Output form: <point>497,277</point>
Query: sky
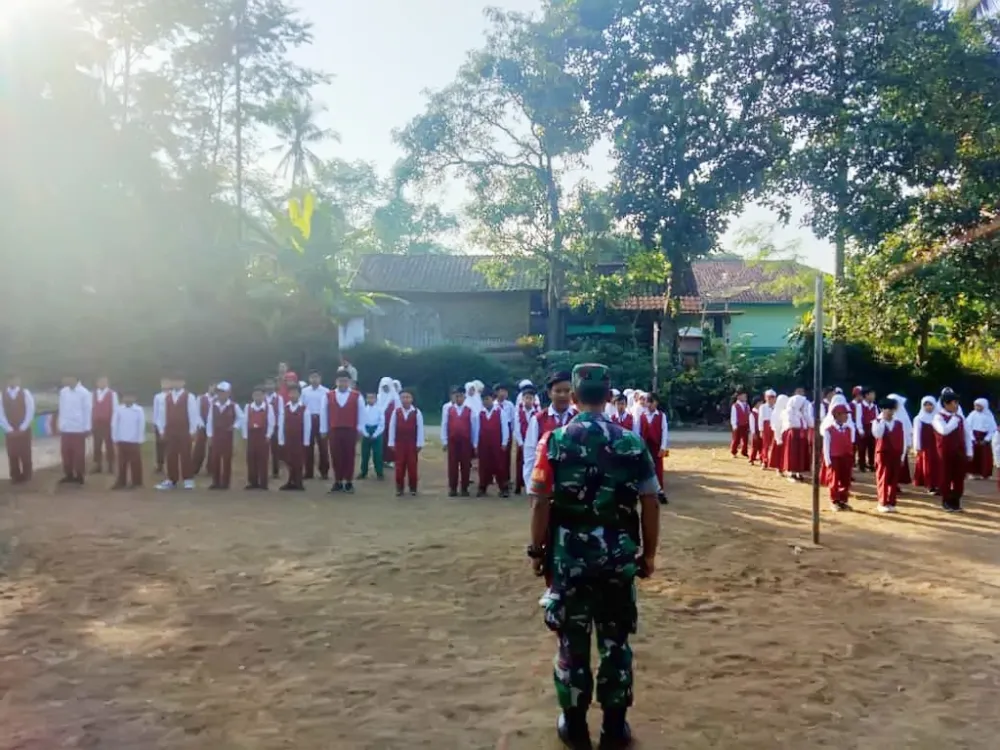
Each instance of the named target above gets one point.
<point>385,53</point>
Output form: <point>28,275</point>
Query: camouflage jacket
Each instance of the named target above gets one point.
<point>594,471</point>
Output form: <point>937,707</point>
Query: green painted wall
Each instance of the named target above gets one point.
<point>768,324</point>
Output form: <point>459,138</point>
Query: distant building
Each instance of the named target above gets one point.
<point>445,299</point>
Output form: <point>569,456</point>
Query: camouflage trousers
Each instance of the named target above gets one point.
<point>605,608</point>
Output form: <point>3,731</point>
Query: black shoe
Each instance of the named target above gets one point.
<point>380,477</point>
<point>505,494</point>
<point>336,487</point>
<point>572,729</point>
<point>615,731</point>
<point>517,492</point>
<point>452,493</point>
<point>481,493</point>
<point>349,488</point>
<point>413,493</point>
<point>399,493</point>
<point>286,487</point>
<point>465,493</point>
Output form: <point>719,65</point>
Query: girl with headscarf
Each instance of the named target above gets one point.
<point>764,425</point>
<point>794,424</point>
<point>838,453</point>
<point>472,397</point>
<point>638,405</point>
<point>928,464</point>
<point>983,426</point>
<point>903,417</point>
<point>777,459</point>
<point>387,400</point>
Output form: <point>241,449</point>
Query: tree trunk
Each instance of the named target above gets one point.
<point>555,332</point>
<point>923,340</point>
<point>841,198</point>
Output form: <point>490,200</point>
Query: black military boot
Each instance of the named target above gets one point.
<point>615,731</point>
<point>572,729</point>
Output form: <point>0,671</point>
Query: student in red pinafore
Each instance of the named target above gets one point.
<point>17,412</point>
<point>756,433</point>
<point>224,419</point>
<point>621,414</point>
<point>259,426</point>
<point>456,441</point>
<point>890,442</point>
<point>103,411</point>
<point>838,455</point>
<point>178,422</point>
<point>293,437</point>
<point>490,436</point>
<point>954,448</point>
<point>277,404</point>
<point>926,468</point>
<point>200,450</point>
<point>654,433</point>
<point>406,438</point>
<point>865,413</point>
<point>739,421</point>
<point>345,420</point>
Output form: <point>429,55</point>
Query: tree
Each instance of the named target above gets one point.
<point>510,125</point>
<point>681,85</point>
<point>293,118</point>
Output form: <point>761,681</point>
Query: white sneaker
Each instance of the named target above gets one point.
<point>885,509</point>
<point>892,508</point>
<point>189,484</point>
<point>166,484</point>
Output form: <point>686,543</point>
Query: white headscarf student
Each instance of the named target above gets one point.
<point>838,400</point>
<point>638,405</point>
<point>609,408</point>
<point>983,426</point>
<point>904,417</point>
<point>387,394</point>
<point>473,399</point>
<point>778,417</point>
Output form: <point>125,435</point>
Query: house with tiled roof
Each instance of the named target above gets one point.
<point>439,299</point>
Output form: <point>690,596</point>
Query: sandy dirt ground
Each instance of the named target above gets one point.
<point>253,621</point>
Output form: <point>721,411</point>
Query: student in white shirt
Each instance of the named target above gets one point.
<point>17,412</point>
<point>373,416</point>
<point>128,431</point>
<point>406,436</point>
<point>259,424</point>
<point>75,423</point>
<point>293,437</point>
<point>314,398</point>
<point>159,407</point>
<point>181,418</point>
<point>225,417</point>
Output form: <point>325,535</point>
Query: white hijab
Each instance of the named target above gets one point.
<point>794,416</point>
<point>828,420</point>
<point>778,416</point>
<point>472,398</point>
<point>904,417</point>
<point>387,394</point>
<point>637,409</point>
<point>982,420</point>
<point>925,417</point>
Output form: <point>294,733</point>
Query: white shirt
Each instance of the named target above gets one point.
<point>75,409</point>
<point>269,400</point>
<point>406,414</point>
<point>494,413</point>
<point>272,423</point>
<point>128,424</point>
<point>29,411</point>
<point>509,411</point>
<point>530,446</point>
<point>194,413</point>
<point>529,413</point>
<point>827,439</point>
<point>217,408</point>
<point>101,393</point>
<point>978,421</point>
<point>314,399</point>
<point>881,426</point>
<point>306,423</point>
<point>734,413</point>
<point>444,420</point>
<point>159,409</point>
<point>373,416</point>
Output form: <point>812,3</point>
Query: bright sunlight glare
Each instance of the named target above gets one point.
<point>12,12</point>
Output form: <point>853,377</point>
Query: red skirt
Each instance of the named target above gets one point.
<point>904,472</point>
<point>796,449</point>
<point>982,456</point>
<point>777,458</point>
<point>926,468</point>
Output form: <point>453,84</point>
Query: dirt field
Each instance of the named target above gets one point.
<point>251,621</point>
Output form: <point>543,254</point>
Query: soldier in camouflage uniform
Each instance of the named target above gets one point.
<point>589,479</point>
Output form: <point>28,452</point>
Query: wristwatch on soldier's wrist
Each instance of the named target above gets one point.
<point>535,552</point>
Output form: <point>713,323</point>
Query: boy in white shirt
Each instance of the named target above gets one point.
<point>17,412</point>
<point>128,431</point>
<point>373,416</point>
<point>259,424</point>
<point>74,421</point>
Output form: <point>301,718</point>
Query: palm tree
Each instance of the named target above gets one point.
<point>294,119</point>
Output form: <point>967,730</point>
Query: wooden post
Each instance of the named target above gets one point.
<point>656,356</point>
<point>817,404</point>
